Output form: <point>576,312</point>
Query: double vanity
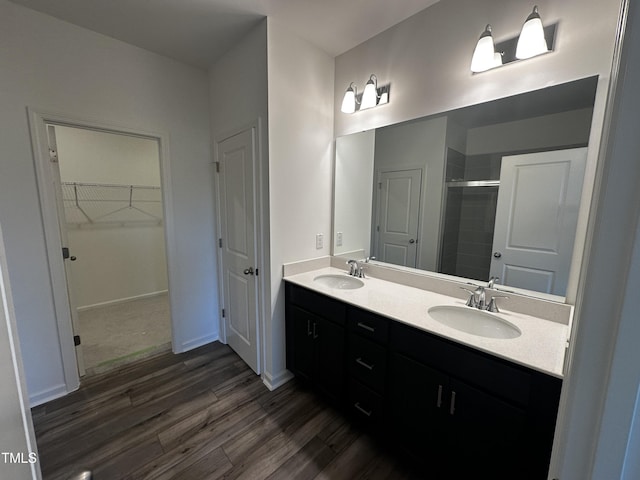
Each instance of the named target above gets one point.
<point>463,392</point>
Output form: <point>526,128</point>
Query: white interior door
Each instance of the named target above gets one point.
<point>236,157</point>
<point>67,255</point>
<point>398,215</point>
<point>536,219</point>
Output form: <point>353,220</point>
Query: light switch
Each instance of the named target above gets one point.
<point>339,239</point>
<point>319,241</point>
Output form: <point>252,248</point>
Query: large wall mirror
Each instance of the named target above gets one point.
<point>488,190</point>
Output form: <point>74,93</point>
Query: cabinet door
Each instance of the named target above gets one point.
<point>488,436</point>
<point>417,408</point>
<point>330,358</point>
<point>301,345</point>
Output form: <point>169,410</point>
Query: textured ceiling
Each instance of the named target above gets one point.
<point>198,32</point>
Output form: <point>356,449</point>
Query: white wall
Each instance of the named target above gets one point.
<point>16,427</point>
<point>598,436</point>
<point>547,131</point>
<point>353,199</point>
<point>54,66</point>
<point>300,167</point>
<point>426,58</point>
<point>115,261</point>
<point>104,157</point>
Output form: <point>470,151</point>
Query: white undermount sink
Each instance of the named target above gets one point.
<point>341,282</point>
<point>474,321</point>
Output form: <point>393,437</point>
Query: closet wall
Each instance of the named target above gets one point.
<point>116,233</point>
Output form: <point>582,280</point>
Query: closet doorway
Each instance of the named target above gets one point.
<point>112,228</point>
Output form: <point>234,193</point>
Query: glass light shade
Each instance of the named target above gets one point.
<point>531,41</point>
<point>349,101</point>
<point>484,55</point>
<point>369,96</point>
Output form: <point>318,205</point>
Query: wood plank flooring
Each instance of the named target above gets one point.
<point>202,415</point>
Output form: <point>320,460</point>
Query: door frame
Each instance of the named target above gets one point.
<point>261,240</point>
<point>38,120</point>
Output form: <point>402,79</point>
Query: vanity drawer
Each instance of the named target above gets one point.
<point>317,303</point>
<point>366,406</point>
<point>369,325</point>
<point>367,362</point>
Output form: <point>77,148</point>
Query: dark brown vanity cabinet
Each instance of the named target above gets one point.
<point>477,413</point>
<point>458,412</point>
<point>315,332</point>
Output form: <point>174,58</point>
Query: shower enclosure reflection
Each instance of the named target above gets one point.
<point>487,190</point>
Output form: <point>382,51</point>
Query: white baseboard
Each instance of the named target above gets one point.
<point>45,396</point>
<point>122,300</point>
<point>197,342</point>
<point>276,381</point>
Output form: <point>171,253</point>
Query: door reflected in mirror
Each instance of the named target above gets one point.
<point>488,190</point>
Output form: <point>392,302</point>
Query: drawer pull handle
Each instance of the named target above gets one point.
<point>452,407</point>
<point>366,327</point>
<point>439,401</point>
<point>366,412</point>
<point>364,364</point>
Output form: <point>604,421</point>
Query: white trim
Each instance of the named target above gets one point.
<point>37,124</point>
<point>7,314</point>
<point>259,233</point>
<point>276,381</point>
<point>47,395</point>
<point>121,300</point>
<point>197,342</point>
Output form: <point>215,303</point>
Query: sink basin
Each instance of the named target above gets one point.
<point>473,321</point>
<point>341,282</point>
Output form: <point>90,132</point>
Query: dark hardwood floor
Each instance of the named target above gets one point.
<point>202,415</point>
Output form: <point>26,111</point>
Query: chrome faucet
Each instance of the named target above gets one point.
<point>493,281</point>
<point>478,299</point>
<point>356,269</point>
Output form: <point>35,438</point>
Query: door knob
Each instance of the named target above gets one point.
<point>412,241</point>
<point>497,254</point>
<point>248,271</point>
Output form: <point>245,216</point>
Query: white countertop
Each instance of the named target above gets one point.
<point>541,346</point>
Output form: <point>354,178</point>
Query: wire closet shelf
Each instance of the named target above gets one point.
<point>100,204</point>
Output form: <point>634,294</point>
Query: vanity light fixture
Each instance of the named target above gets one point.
<point>350,99</point>
<point>531,41</point>
<point>535,39</point>
<point>485,55</point>
<point>372,96</point>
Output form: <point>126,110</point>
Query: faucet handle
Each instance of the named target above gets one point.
<point>352,267</point>
<point>366,260</point>
<point>471,302</point>
<point>493,306</point>
<point>492,281</point>
<point>360,273</point>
